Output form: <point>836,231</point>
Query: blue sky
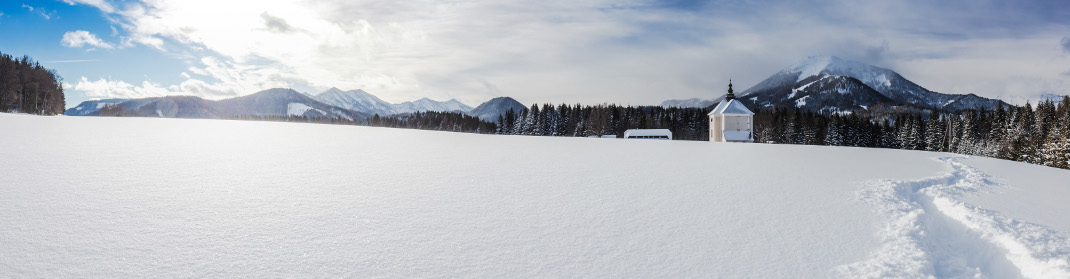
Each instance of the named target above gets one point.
<point>628,52</point>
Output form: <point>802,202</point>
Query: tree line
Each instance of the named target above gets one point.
<point>1019,133</point>
<point>423,120</point>
<point>582,121</point>
<point>28,87</point>
<point>436,121</point>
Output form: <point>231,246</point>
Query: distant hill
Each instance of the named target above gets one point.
<point>92,107</point>
<point>280,101</point>
<point>691,103</point>
<point>333,103</point>
<point>490,110</point>
<point>425,104</point>
<point>362,101</point>
<point>356,100</point>
<point>271,102</point>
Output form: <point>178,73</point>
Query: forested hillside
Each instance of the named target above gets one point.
<point>26,86</point>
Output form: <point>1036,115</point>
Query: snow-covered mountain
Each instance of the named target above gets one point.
<point>91,107</point>
<point>284,102</point>
<point>692,103</point>
<point>490,110</point>
<point>820,93</point>
<point>357,100</point>
<point>1034,100</point>
<point>362,101</point>
<point>167,106</point>
<point>425,104</point>
<point>828,83</point>
<point>271,102</point>
<point>888,83</point>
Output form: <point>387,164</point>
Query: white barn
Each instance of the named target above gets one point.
<point>664,134</point>
<point>731,121</point>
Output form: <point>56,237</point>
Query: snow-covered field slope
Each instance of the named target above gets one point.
<point>144,197</point>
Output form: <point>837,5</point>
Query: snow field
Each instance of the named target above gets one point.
<point>140,197</point>
<point>934,235</point>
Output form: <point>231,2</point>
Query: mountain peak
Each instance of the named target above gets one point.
<point>491,109</point>
<point>277,91</point>
<point>817,70</point>
<point>815,65</point>
<point>336,91</point>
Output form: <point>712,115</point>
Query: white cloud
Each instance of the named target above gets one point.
<point>143,39</point>
<point>40,11</point>
<point>104,88</point>
<point>99,4</point>
<point>572,51</point>
<point>80,38</point>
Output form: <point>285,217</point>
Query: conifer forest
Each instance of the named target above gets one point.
<point>27,87</point>
<point>1038,135</point>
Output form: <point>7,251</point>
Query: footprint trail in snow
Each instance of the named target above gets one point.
<point>931,234</point>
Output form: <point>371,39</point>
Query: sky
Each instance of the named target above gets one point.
<point>631,52</point>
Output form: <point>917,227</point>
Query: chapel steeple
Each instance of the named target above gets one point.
<point>730,96</point>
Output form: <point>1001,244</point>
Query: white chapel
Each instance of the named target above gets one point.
<point>731,121</point>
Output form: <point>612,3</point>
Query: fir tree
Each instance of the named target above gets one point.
<point>934,133</point>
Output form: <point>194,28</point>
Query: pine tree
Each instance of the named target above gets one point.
<point>934,133</point>
<point>834,132</point>
<point>501,123</point>
<point>1055,152</point>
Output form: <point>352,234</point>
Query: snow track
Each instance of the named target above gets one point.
<point>930,234</point>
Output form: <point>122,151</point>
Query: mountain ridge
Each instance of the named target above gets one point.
<point>900,92</point>
<point>360,100</point>
<point>358,105</point>
<point>270,102</point>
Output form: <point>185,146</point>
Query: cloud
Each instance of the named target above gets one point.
<point>103,5</point>
<point>80,38</point>
<point>1066,44</point>
<point>104,88</point>
<point>107,88</point>
<point>40,11</point>
<point>589,51</point>
<point>276,24</point>
<point>143,39</point>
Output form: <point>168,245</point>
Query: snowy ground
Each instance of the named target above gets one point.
<point>140,197</point>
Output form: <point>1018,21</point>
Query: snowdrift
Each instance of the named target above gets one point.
<point>141,197</point>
